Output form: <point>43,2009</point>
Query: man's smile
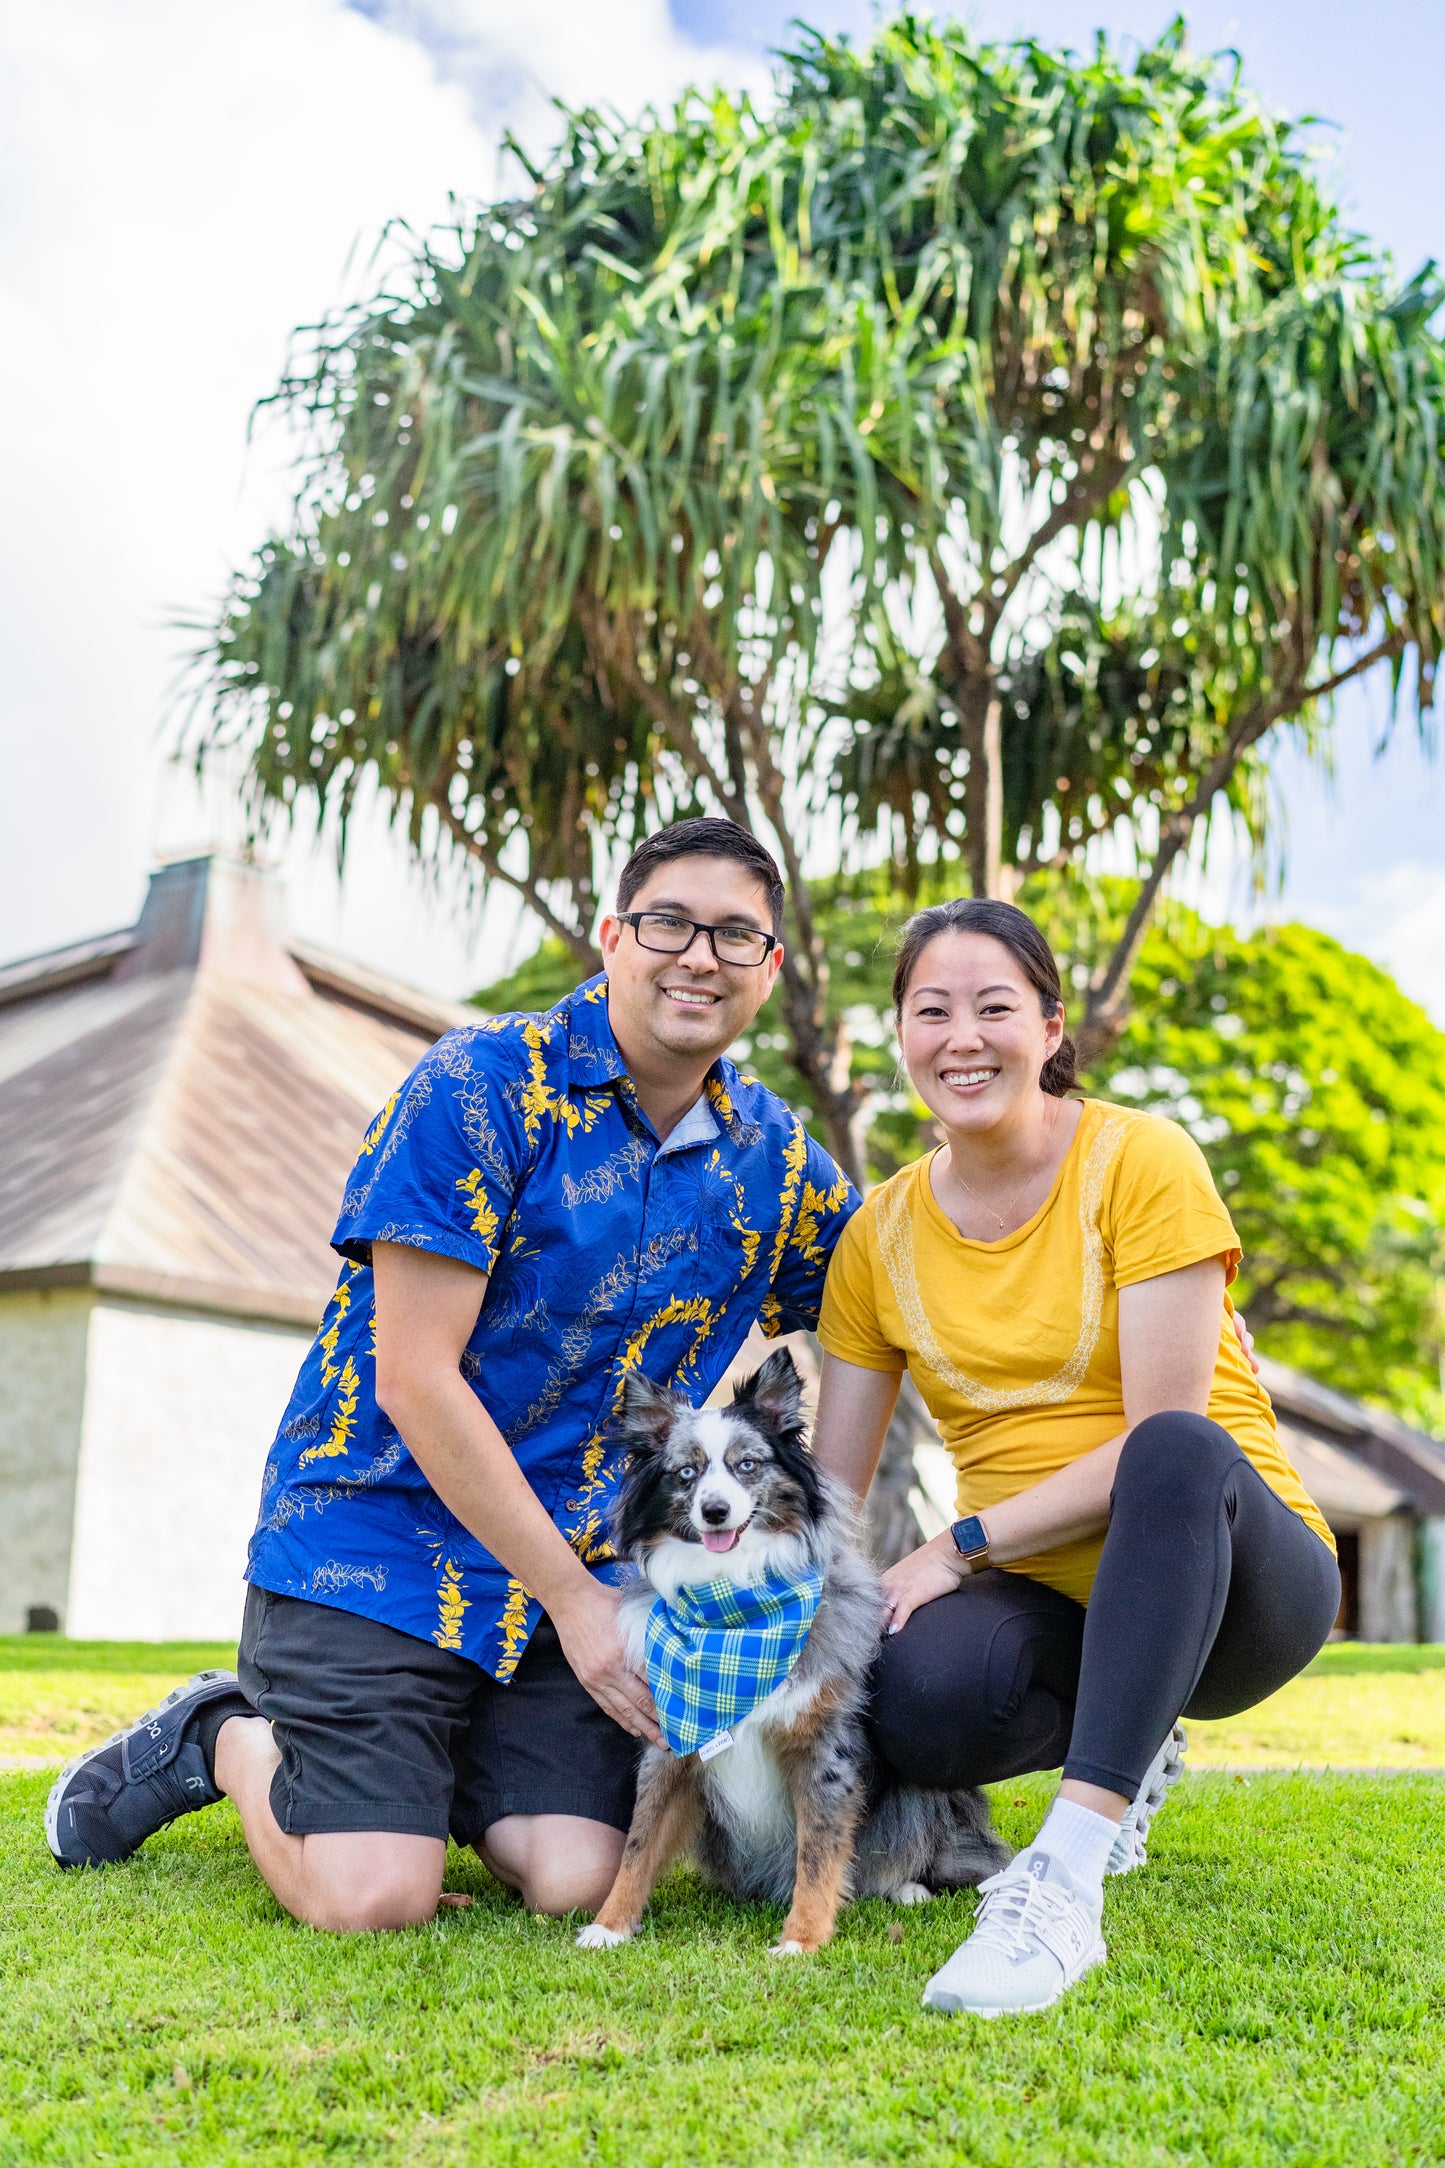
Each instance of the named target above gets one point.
<point>691,997</point>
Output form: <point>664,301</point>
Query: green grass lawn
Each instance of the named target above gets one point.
<point>1357,1705</point>
<point>1275,1993</point>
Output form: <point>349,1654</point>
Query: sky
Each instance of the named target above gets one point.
<point>182,184</point>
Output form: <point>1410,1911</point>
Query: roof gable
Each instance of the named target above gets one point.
<point>182,1102</point>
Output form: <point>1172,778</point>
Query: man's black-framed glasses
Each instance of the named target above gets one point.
<point>669,935</point>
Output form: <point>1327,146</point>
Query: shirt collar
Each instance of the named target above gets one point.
<point>698,1126</point>
<point>594,1059</point>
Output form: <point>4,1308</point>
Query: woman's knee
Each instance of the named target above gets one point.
<point>559,1886</point>
<point>1176,1455</point>
<point>950,1706</point>
<point>923,1697</point>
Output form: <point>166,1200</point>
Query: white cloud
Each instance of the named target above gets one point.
<point>179,187</point>
<point>1397,918</point>
<point>512,61</point>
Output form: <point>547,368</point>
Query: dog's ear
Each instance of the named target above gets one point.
<point>774,1393</point>
<point>646,1413</point>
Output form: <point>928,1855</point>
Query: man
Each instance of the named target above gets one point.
<point>430,1640</point>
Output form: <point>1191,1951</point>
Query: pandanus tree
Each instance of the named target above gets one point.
<point>981,450</point>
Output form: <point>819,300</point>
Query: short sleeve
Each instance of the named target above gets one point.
<point>1164,1211</point>
<point>440,1165</point>
<point>850,1327</point>
<point>826,1201</point>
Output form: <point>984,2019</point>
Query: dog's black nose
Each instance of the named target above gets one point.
<point>714,1512</point>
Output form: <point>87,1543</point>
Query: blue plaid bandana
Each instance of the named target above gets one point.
<point>719,1650</point>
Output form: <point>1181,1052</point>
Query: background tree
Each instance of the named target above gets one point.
<point>1315,1088</point>
<point>1317,1092</point>
<point>980,451</point>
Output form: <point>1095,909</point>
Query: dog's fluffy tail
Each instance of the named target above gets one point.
<point>945,1840</point>
<point>970,1848</point>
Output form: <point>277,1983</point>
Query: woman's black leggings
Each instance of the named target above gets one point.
<point>1210,1594</point>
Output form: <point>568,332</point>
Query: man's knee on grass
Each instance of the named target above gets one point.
<point>558,1863</point>
<point>368,1883</point>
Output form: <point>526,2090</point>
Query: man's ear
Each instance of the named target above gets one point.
<point>775,1393</point>
<point>646,1413</point>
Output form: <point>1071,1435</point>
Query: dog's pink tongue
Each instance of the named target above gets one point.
<point>719,1539</point>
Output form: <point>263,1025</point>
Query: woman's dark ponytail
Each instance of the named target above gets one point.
<point>1003,922</point>
<point>1059,1073</point>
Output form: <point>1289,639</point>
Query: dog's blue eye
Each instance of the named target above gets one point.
<point>747,1467</point>
<point>687,1475</point>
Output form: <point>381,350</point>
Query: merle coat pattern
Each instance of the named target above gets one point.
<point>797,1811</point>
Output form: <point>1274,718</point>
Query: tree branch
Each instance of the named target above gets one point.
<point>1102,1012</point>
<point>617,656</point>
<point>475,847</point>
<point>1075,506</point>
<point>966,651</point>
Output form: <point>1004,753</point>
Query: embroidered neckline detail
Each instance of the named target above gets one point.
<point>894,1221</point>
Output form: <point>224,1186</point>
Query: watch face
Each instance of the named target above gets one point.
<point>969,1536</point>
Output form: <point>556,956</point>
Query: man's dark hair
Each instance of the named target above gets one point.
<point>707,838</point>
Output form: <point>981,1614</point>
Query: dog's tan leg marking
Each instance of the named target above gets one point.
<point>826,1805</point>
<point>663,1822</point>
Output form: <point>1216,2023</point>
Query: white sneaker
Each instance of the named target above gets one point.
<point>1161,1775</point>
<point>1036,1933</point>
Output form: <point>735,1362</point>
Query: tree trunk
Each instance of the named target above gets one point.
<point>890,1526</point>
<point>820,1057</point>
<point>981,715</point>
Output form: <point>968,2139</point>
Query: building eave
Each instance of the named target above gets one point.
<point>29,978</point>
<point>376,994</point>
<point>249,1305</point>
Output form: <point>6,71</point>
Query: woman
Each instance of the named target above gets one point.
<point>1135,1544</point>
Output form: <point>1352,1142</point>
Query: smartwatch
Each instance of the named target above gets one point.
<point>970,1540</point>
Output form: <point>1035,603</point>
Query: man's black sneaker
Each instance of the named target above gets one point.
<point>106,1802</point>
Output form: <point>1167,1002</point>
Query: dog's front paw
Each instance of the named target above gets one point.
<point>788,1949</point>
<point>597,1937</point>
<point>912,1893</point>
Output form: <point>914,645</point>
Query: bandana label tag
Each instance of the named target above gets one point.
<point>716,1746</point>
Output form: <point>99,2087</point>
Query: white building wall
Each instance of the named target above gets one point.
<point>1387,1579</point>
<point>179,1413</point>
<point>42,1395</point>
<point>1432,1578</point>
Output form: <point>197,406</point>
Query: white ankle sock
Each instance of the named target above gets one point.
<point>1081,1839</point>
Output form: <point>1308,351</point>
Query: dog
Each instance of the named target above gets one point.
<point>795,1809</point>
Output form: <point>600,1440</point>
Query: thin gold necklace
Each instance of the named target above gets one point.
<point>992,1210</point>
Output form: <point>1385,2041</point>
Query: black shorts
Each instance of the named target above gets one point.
<point>379,1731</point>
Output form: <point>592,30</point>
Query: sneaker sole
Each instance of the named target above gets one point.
<point>952,2006</point>
<point>1169,1776</point>
<point>57,1789</point>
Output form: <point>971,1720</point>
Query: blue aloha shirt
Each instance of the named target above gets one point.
<point>518,1146</point>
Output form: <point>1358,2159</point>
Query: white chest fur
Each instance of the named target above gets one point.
<point>746,1790</point>
<point>746,1786</point>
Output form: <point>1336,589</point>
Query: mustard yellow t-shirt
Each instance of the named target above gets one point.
<point>1014,1345</point>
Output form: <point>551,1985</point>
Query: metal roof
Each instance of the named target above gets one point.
<point>1407,1459</point>
<point>180,1103</point>
<point>1346,1489</point>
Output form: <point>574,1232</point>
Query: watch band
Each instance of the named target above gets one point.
<point>970,1540</point>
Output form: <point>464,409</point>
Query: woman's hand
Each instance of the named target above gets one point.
<point>935,1569</point>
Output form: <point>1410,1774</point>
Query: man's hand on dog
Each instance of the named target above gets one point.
<point>587,1629</point>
